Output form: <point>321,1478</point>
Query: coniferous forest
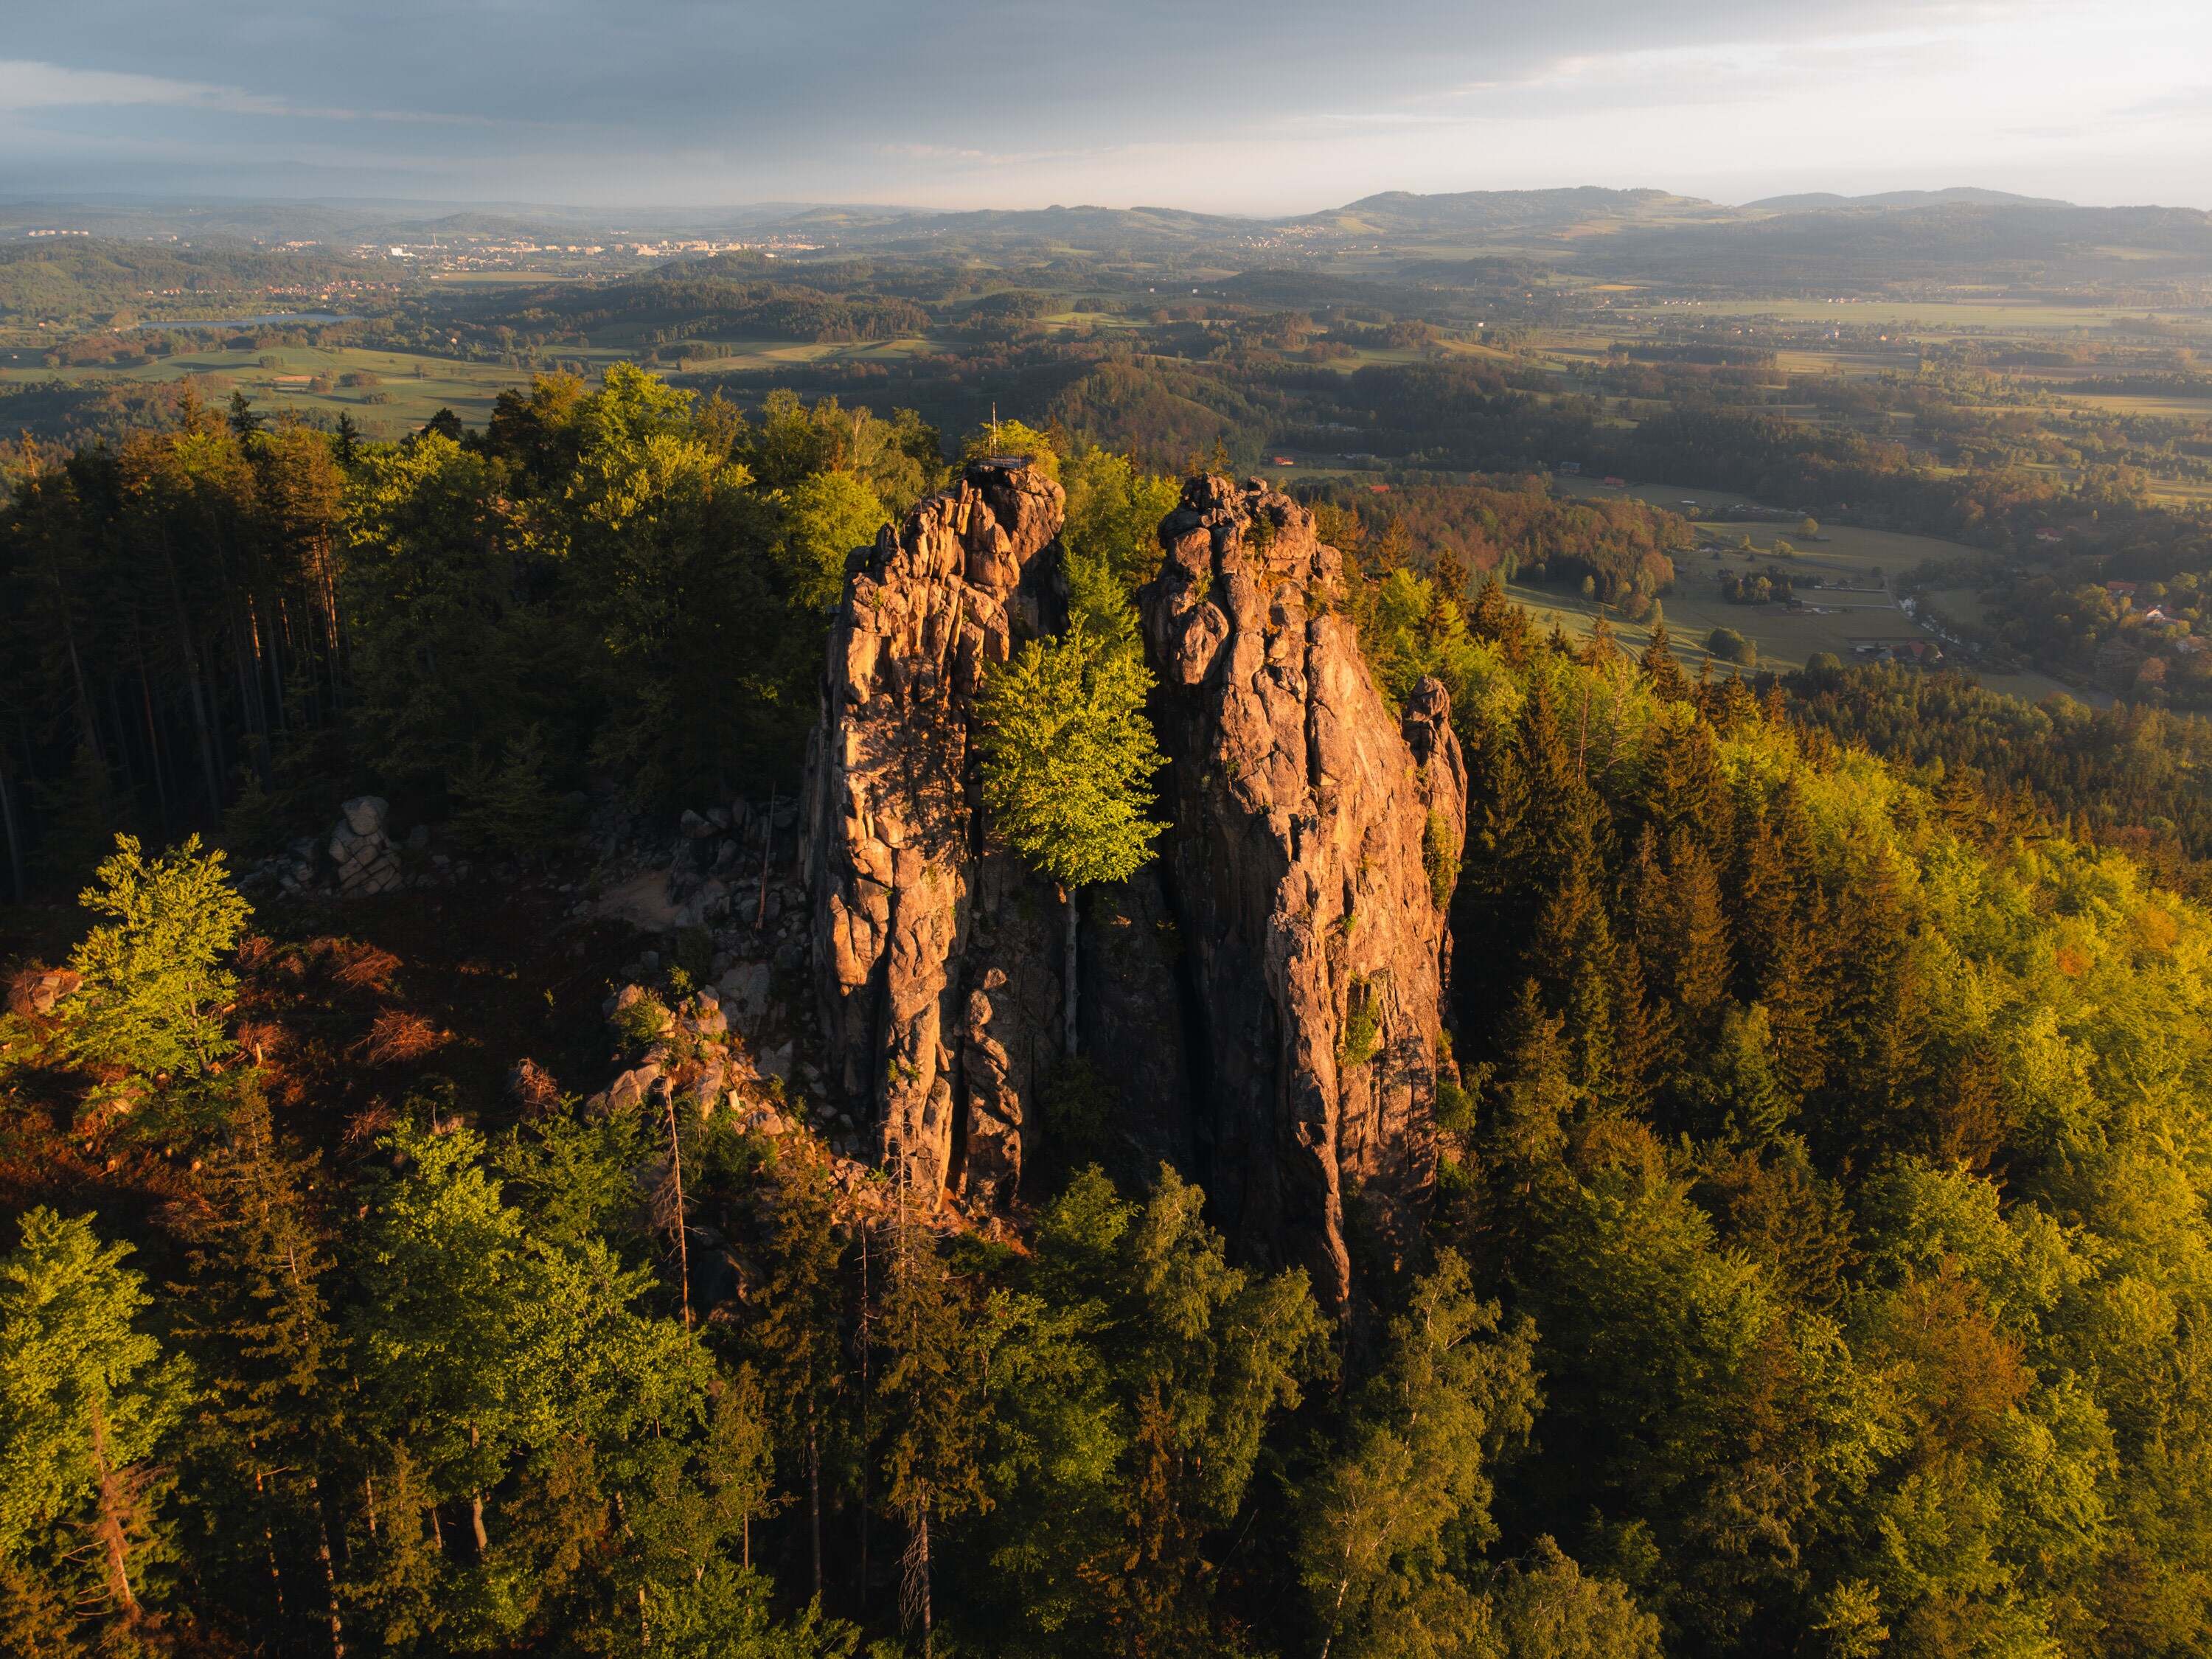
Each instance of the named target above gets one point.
<point>1810,1253</point>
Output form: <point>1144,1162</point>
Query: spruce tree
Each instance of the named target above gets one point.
<point>934,1337</point>
<point>255,1305</point>
<point>1660,668</point>
<point>1696,963</point>
<point>794,1336</point>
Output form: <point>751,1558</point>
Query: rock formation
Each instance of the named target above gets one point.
<point>34,992</point>
<point>367,863</point>
<point>932,955</point>
<point>1265,998</point>
<point>1308,818</point>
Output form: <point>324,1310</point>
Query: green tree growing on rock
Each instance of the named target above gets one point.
<point>1068,757</point>
<point>153,976</point>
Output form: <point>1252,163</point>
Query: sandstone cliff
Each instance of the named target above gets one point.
<point>1264,999</point>
<point>1307,821</point>
<point>934,957</point>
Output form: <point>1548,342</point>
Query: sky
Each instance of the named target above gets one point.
<point>1226,105</point>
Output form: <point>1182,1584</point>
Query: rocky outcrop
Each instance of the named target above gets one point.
<point>368,862</point>
<point>1263,1002</point>
<point>932,956</point>
<point>1308,817</point>
<point>34,992</point>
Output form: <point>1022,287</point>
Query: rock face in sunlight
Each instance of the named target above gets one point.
<point>1308,817</point>
<point>1264,999</point>
<point>934,959</point>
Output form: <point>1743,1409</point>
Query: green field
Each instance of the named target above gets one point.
<point>414,387</point>
<point>1937,316</point>
<point>1869,560</point>
<point>708,356</point>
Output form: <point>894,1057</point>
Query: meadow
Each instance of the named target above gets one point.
<point>411,387</point>
<point>1835,619</point>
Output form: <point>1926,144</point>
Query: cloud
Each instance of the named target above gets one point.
<point>26,86</point>
<point>1231,104</point>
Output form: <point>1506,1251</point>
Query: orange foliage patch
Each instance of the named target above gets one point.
<point>352,963</point>
<point>398,1036</point>
<point>2155,929</point>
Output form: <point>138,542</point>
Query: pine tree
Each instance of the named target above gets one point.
<point>934,1337</point>
<point>1764,899</point>
<point>1695,963</point>
<point>509,807</point>
<point>1497,619</point>
<point>1641,1035</point>
<point>1667,681</point>
<point>795,1336</point>
<point>1683,788</point>
<point>1869,1093</point>
<point>79,816</point>
<point>1535,1101</point>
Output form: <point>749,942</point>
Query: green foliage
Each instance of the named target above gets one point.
<point>1013,438</point>
<point>426,576</point>
<point>1363,1024</point>
<point>1390,1525</point>
<point>644,1022</point>
<point>826,515</point>
<point>1068,755</point>
<point>509,806</point>
<point>87,1400</point>
<point>1726,645</point>
<point>155,984</point>
<point>1110,543</point>
<point>1439,860</point>
<point>1131,1393</point>
<point>1548,1608</point>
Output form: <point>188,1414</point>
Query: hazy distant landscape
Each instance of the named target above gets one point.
<point>1936,333</point>
<point>1156,832</point>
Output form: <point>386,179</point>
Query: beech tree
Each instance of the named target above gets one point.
<point>1069,756</point>
<point>154,981</point>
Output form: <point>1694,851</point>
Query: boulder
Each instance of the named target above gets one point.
<point>744,987</point>
<point>35,993</point>
<point>367,863</point>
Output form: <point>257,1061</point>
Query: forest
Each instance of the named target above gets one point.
<point>1817,1261</point>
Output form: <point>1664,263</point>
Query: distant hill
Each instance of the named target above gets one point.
<point>1083,227</point>
<point>2008,242</point>
<point>69,278</point>
<point>1821,201</point>
<point>1399,212</point>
